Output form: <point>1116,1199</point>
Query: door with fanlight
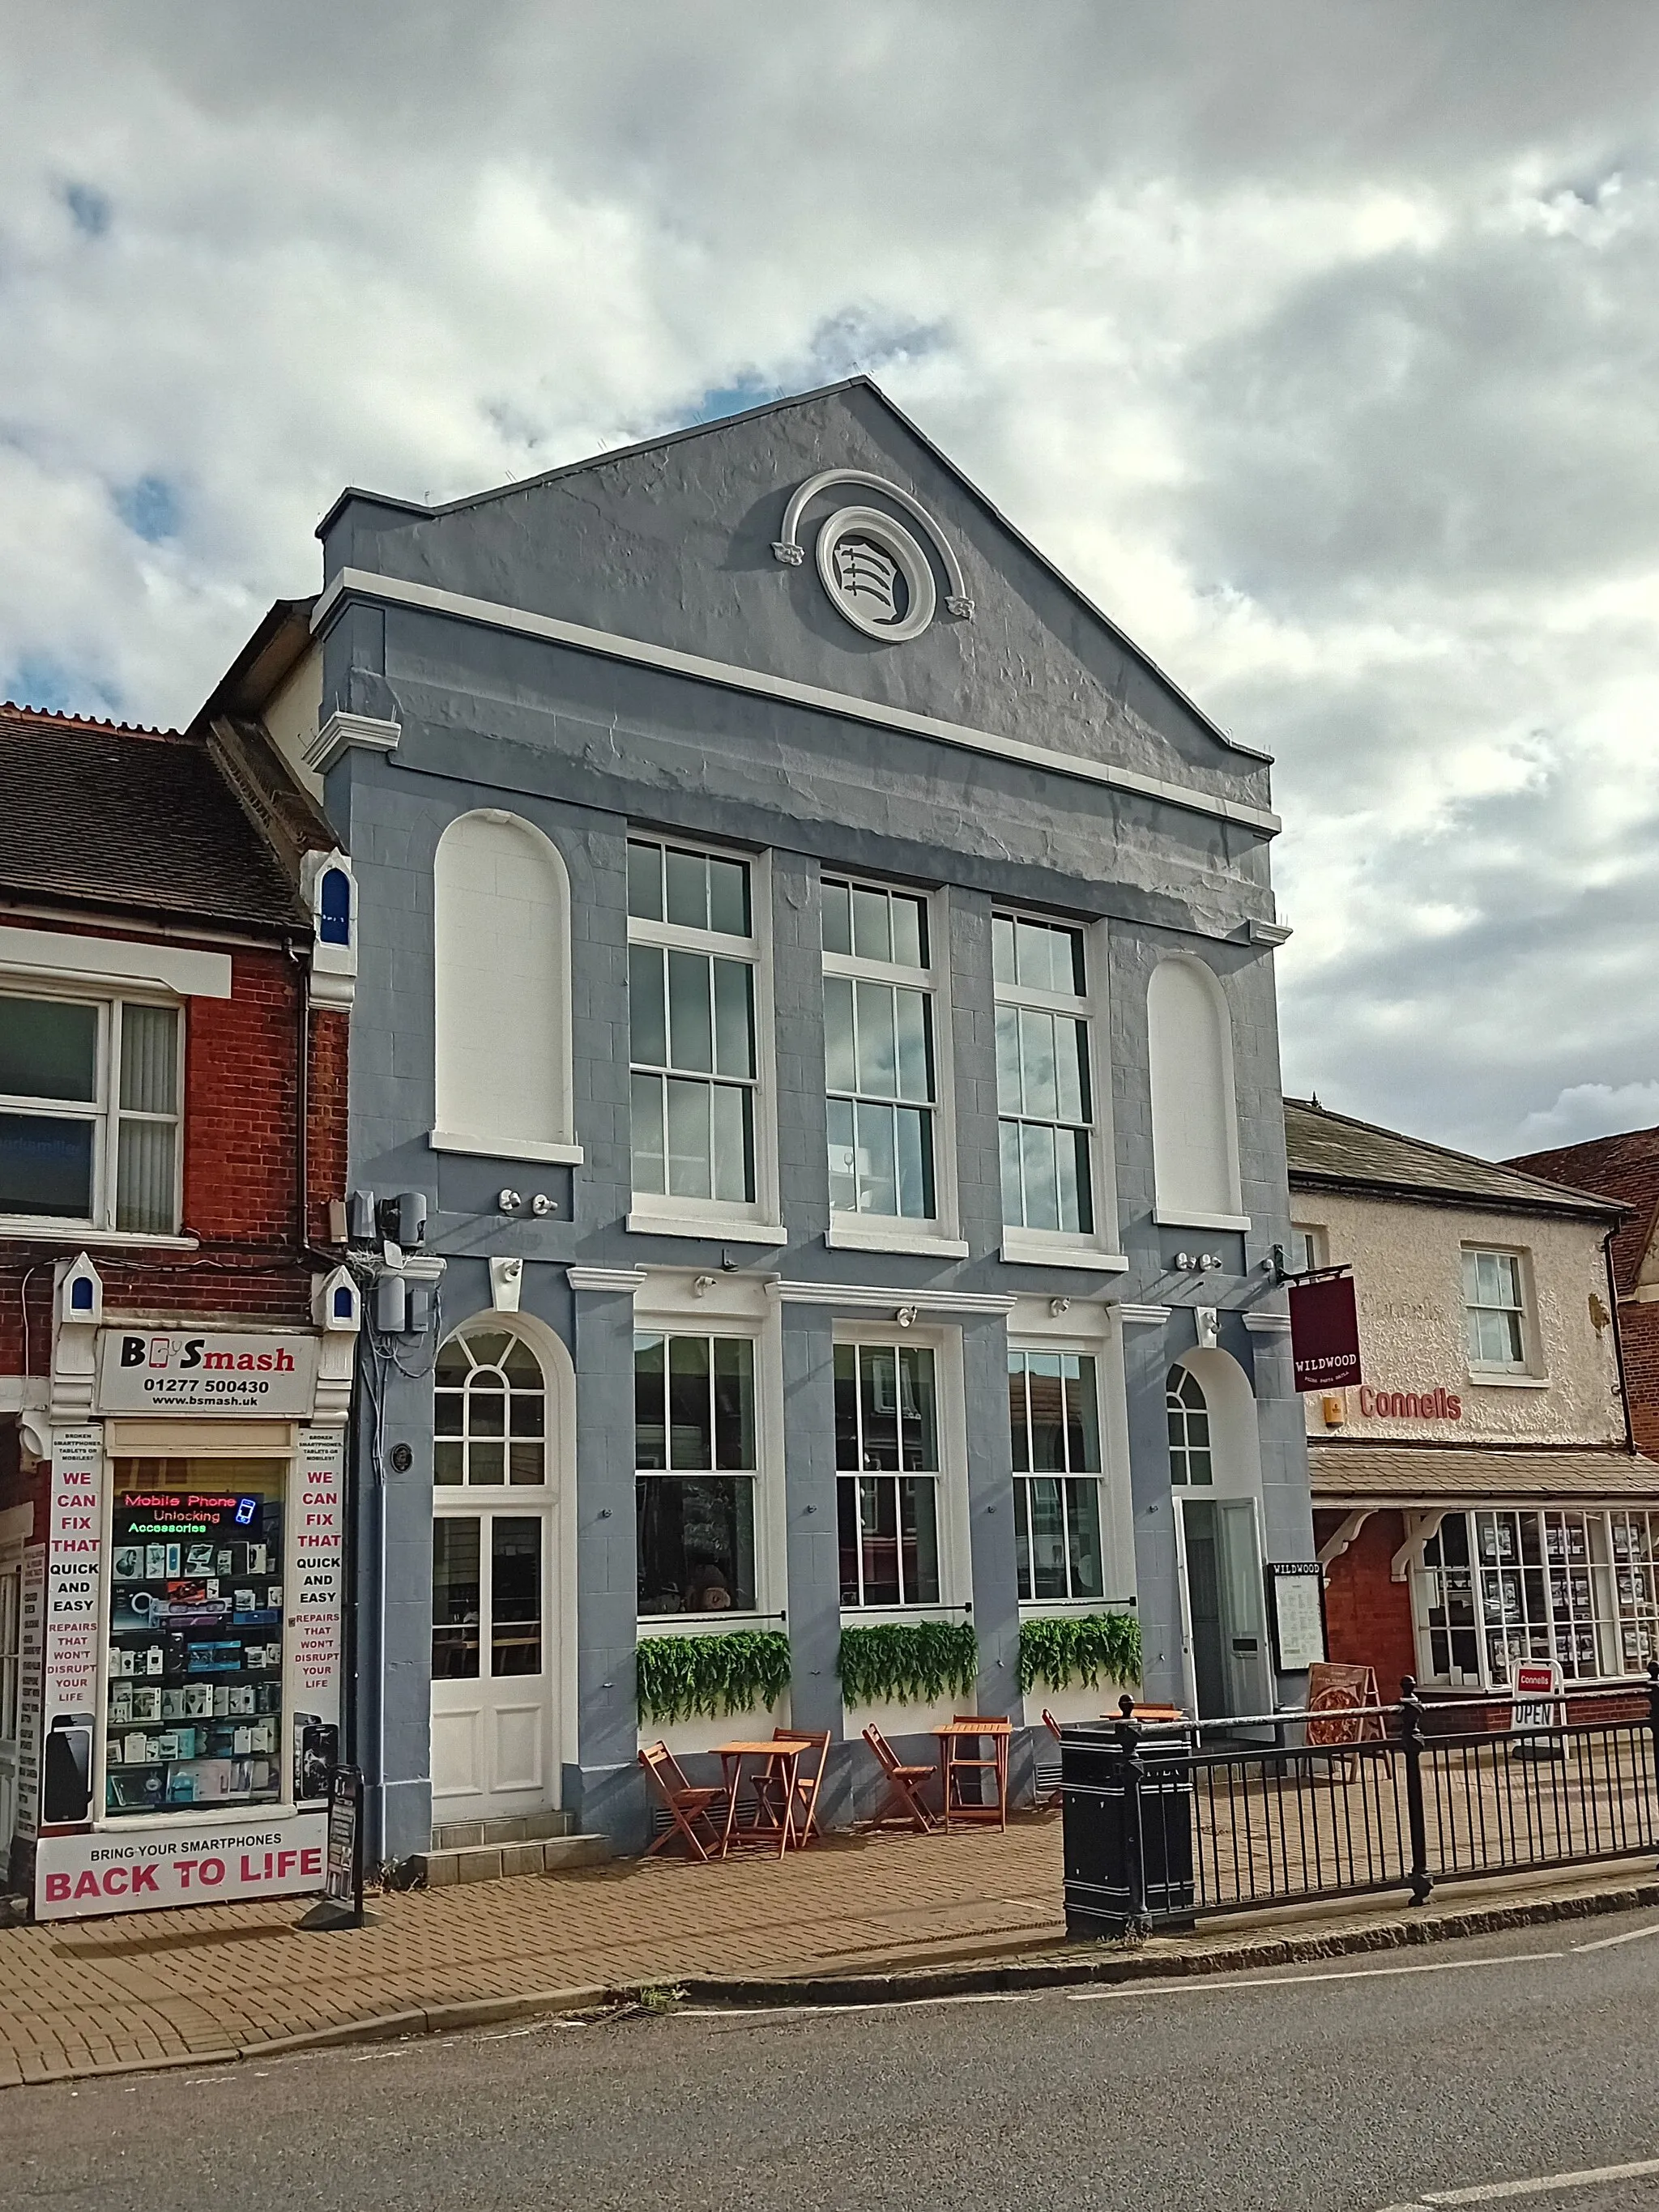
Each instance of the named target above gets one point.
<point>494,1708</point>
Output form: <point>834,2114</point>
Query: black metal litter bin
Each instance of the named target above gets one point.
<point>1128,1815</point>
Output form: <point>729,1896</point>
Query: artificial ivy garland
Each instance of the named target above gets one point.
<point>679,1678</point>
<point>1070,1648</point>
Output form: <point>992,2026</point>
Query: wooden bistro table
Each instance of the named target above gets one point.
<point>956,1758</point>
<point>777,1763</point>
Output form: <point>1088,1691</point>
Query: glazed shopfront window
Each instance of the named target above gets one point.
<point>694,1457</point>
<point>1054,1429</point>
<point>1500,1588</point>
<point>193,1695</point>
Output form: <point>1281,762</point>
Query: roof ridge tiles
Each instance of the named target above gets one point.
<point>62,719</point>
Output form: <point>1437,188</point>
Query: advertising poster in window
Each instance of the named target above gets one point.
<point>31,1652</point>
<point>69,1673</point>
<point>315,1577</point>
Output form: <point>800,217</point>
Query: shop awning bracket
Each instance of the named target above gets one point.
<point>1338,1542</point>
<point>1420,1527</point>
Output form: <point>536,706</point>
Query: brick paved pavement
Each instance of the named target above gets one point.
<point>213,1979</point>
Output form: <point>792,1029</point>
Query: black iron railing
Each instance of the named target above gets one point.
<point>1165,1823</point>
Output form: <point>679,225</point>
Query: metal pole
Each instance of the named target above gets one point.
<point>1653,1713</point>
<point>1134,1771</point>
<point>1411,1736</point>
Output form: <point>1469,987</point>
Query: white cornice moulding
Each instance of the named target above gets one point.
<point>120,961</point>
<point>1268,933</point>
<point>341,732</point>
<point>1267,1324</point>
<point>890,1298</point>
<point>1141,1316</point>
<point>1188,1220</point>
<point>605,1279</point>
<point>395,592</point>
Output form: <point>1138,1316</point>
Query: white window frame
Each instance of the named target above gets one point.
<point>1034,1607</point>
<point>1183,1453</point>
<point>105,1112</point>
<point>955,1600</point>
<point>1310,1246</point>
<point>939,1236</point>
<point>1525,1368</point>
<point>1060,1248</point>
<point>660,1213</point>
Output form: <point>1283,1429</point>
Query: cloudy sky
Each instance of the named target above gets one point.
<point>1318,340</point>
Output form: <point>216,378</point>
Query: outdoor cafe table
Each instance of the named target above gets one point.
<point>971,1728</point>
<point>778,1761</point>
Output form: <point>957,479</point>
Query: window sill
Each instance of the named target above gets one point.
<point>904,1616</point>
<point>845,1236</point>
<point>1480,1380</point>
<point>651,1625</point>
<point>1073,1608</point>
<point>496,1148</point>
<point>53,1232</point>
<point>1167,1218</point>
<point>1032,1248</point>
<point>713,1229</point>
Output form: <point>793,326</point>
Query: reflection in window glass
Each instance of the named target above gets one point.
<point>887,1449</point>
<point>879,1054</point>
<point>457,1598</point>
<point>1056,1433</point>
<point>694,1453</point>
<point>1044,1098</point>
<point>1495,1308</point>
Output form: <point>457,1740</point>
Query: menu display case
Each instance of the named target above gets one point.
<point>194,1684</point>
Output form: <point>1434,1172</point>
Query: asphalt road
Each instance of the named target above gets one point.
<point>1349,2087</point>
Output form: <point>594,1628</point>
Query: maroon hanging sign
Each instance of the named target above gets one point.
<point>1325,1333</point>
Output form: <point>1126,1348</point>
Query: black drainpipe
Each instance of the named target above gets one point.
<point>1618,1340</point>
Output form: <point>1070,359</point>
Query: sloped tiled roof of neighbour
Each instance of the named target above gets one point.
<point>1624,1167</point>
<point>1333,1151</point>
<point>110,815</point>
<point>1426,1474</point>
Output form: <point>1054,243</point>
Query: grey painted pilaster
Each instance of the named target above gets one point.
<point>604,1788</point>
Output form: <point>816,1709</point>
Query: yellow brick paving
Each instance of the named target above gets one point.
<point>212,1979</point>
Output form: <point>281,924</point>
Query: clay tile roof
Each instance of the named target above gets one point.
<point>1623,1167</point>
<point>1428,1475</point>
<point>110,814</point>
<point>1330,1150</point>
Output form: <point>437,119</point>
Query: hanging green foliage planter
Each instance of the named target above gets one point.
<point>908,1662</point>
<point>680,1677</point>
<point>1079,1648</point>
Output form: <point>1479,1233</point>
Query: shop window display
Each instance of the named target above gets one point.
<point>193,1697</point>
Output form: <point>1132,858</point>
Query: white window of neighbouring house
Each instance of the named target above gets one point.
<point>1194,1125</point>
<point>880,1055</point>
<point>693,956</point>
<point>502,992</point>
<point>1188,1411</point>
<point>696,1461</point>
<point>1054,1428</point>
<point>1495,1310</point>
<point>887,1452</point>
<point>90,1099</point>
<point>1045,1077</point>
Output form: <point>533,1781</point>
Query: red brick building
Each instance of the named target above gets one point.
<point>176,1336</point>
<point>1626,1169</point>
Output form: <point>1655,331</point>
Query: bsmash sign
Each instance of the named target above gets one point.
<point>204,1371</point>
<point>76,1876</point>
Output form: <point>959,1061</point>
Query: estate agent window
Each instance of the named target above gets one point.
<point>879,1052</point>
<point>887,1450</point>
<point>1045,1092</point>
<point>1494,1305</point>
<point>89,1098</point>
<point>1498,1588</point>
<point>692,959</point>
<point>1054,1418</point>
<point>694,1453</point>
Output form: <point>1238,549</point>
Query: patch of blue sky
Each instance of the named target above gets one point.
<point>38,680</point>
<point>734,398</point>
<point>90,210</point>
<point>150,508</point>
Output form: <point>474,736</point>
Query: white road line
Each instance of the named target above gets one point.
<point>1608,1943</point>
<point>1489,2193</point>
<point>878,2004</point>
<point>1291,1981</point>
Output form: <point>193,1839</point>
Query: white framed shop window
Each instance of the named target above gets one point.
<point>1062,1519</point>
<point>1053,1115</point>
<point>1194,1113</point>
<point>502,1066</point>
<point>901,1474</point>
<point>1497,1586</point>
<point>702,1102</point>
<point>91,1112</point>
<point>892,1156</point>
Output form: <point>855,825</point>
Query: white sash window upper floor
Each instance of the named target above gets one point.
<point>91,1095</point>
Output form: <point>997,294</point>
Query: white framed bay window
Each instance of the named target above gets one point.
<point>91,1102</point>
<point>700,1043</point>
<point>891,1154</point>
<point>1058,1203</point>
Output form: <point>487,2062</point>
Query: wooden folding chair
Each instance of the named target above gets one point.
<point>807,1785</point>
<point>687,1808</point>
<point>905,1785</point>
<point>1047,1800</point>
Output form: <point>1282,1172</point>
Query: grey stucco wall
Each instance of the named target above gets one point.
<point>579,747</point>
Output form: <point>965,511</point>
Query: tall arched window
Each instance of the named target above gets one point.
<point>502,978</point>
<point>1194,1124</point>
<point>490,1413</point>
<point>1190,1465</point>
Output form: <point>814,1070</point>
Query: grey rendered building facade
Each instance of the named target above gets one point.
<point>875,699</point>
